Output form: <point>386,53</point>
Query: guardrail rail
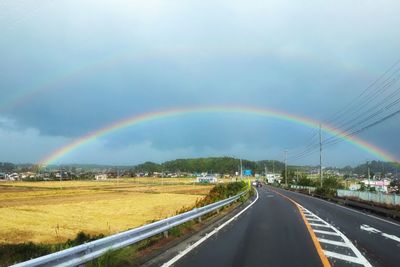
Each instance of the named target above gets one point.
<point>84,253</point>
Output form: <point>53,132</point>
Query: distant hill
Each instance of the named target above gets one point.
<point>222,165</point>
<point>226,165</point>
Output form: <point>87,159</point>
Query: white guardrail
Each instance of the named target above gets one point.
<point>84,253</point>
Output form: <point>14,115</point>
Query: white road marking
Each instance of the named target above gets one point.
<point>207,236</point>
<point>369,229</point>
<point>349,209</point>
<point>320,225</point>
<point>359,259</point>
<point>325,232</point>
<point>372,230</point>
<point>393,237</point>
<point>343,257</point>
<point>314,220</point>
<point>331,242</point>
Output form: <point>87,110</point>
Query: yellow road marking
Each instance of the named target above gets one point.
<point>321,254</point>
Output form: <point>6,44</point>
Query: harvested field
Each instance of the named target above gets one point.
<point>52,212</point>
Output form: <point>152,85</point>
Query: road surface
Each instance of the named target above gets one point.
<point>284,228</point>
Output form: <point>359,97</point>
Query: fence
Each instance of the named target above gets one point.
<point>300,187</point>
<point>389,199</point>
<point>81,254</point>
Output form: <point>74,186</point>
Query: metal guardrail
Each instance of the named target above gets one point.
<point>84,253</point>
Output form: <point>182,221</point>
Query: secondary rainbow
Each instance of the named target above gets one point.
<point>163,114</point>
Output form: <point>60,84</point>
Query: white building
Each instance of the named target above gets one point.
<point>273,177</point>
<point>207,179</point>
<point>380,186</point>
<point>100,176</point>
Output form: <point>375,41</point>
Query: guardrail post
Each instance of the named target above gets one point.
<point>165,234</point>
<point>199,219</point>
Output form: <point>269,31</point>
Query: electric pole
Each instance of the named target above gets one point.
<point>241,170</point>
<point>320,154</point>
<point>369,174</point>
<point>286,168</point>
<point>273,166</point>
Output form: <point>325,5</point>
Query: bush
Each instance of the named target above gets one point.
<point>329,187</point>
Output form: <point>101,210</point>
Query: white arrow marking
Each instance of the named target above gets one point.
<point>376,231</point>
<point>369,229</point>
<point>393,237</point>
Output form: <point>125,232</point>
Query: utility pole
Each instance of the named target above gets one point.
<point>320,154</point>
<point>369,174</point>
<point>273,166</point>
<point>286,168</point>
<point>241,170</point>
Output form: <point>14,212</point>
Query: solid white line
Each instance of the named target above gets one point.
<point>342,257</point>
<point>336,243</point>
<point>207,236</point>
<point>325,232</point>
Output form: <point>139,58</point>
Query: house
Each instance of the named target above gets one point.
<point>12,177</point>
<point>272,178</point>
<point>100,176</point>
<point>207,179</point>
<point>380,186</point>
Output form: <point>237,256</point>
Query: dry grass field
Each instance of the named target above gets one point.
<point>52,212</point>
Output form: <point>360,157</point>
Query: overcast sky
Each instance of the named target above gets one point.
<point>70,67</point>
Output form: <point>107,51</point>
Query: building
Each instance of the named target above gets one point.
<point>272,178</point>
<point>206,179</point>
<point>380,186</point>
<point>100,176</point>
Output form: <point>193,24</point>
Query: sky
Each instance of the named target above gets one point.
<point>70,67</point>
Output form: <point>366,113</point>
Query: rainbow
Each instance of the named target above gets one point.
<point>255,111</point>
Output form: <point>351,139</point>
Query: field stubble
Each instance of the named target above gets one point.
<point>52,212</point>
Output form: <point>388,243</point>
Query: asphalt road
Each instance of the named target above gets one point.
<point>275,232</point>
<point>271,233</point>
<point>377,238</point>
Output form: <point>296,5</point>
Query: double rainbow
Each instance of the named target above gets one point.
<point>218,109</point>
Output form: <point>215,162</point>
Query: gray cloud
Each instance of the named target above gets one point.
<point>96,62</point>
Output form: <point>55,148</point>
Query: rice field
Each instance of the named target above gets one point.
<point>52,212</point>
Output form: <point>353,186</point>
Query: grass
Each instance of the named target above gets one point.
<point>53,212</point>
